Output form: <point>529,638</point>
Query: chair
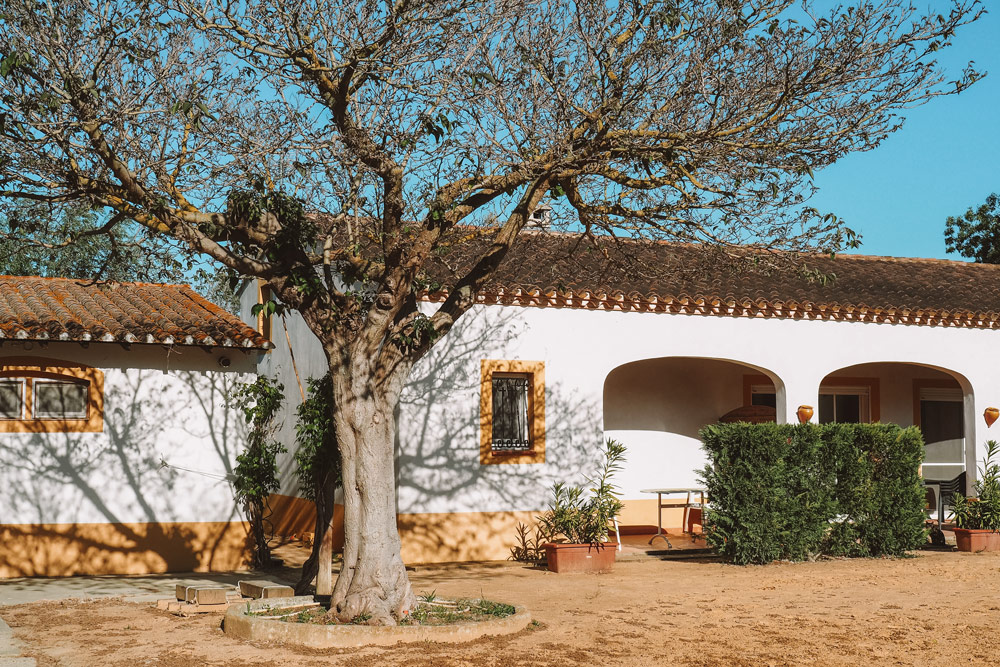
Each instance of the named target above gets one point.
<point>946,489</point>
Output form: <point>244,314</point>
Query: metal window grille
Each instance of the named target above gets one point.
<point>510,414</point>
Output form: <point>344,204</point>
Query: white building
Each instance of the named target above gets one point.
<point>115,437</point>
<point>585,351</point>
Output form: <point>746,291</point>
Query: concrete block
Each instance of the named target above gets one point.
<point>203,595</point>
<point>191,609</point>
<point>262,589</point>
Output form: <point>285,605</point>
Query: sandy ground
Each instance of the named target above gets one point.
<point>935,609</point>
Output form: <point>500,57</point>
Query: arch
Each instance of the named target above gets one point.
<point>656,407</point>
<point>912,393</point>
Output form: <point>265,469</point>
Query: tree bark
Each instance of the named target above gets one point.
<point>373,580</point>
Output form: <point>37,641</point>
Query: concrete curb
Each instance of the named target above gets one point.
<point>240,625</point>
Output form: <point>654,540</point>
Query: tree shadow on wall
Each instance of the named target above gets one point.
<point>94,503</point>
<point>438,466</point>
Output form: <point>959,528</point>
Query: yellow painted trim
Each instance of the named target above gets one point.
<point>536,411</point>
<point>471,536</point>
<point>52,369</point>
<point>264,322</point>
<point>66,549</point>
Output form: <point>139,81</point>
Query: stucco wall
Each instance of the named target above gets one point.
<point>160,406</point>
<point>654,410</point>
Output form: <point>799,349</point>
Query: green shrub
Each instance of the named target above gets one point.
<point>791,492</point>
<point>880,498</point>
<point>582,518</point>
<point>256,471</point>
<point>983,511</point>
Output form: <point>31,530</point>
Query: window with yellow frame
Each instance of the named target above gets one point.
<point>49,396</point>
<point>512,412</point>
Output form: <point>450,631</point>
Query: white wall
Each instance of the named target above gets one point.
<point>159,405</point>
<point>438,467</point>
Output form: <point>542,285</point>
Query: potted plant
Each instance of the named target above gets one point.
<point>582,520</point>
<point>977,520</point>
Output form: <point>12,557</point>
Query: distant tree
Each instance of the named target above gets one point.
<point>976,234</point>
<point>72,242</point>
<point>356,154</point>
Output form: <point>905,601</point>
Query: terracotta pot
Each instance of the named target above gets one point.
<point>804,413</point>
<point>568,557</point>
<point>969,539</point>
<point>990,415</point>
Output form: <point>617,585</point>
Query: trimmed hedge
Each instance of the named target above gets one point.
<point>792,492</point>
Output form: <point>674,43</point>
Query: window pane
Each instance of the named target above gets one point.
<point>826,413</point>
<point>848,409</point>
<point>60,400</point>
<point>11,395</point>
<point>510,413</point>
<point>942,420</point>
<point>763,399</point>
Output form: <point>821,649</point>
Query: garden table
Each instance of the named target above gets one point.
<point>688,506</point>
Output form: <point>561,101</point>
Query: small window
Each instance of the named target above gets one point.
<point>510,413</point>
<point>844,405</point>
<point>763,394</point>
<point>48,396</point>
<point>59,400</point>
<point>11,399</point>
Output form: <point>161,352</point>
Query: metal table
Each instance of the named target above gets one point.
<point>688,506</point>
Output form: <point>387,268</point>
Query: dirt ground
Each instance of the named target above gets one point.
<point>934,609</point>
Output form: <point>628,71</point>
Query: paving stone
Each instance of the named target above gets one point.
<point>262,589</point>
<point>18,662</point>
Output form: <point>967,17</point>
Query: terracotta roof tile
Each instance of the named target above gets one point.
<point>33,308</point>
<point>557,269</point>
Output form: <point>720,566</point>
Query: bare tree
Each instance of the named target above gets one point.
<point>338,149</point>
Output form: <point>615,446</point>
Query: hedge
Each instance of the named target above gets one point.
<point>792,492</point>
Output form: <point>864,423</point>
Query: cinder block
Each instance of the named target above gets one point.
<point>262,589</point>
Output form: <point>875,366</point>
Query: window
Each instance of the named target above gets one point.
<point>44,396</point>
<point>844,405</point>
<point>763,394</point>
<point>939,411</point>
<point>512,412</point>
<point>11,399</point>
<point>59,400</point>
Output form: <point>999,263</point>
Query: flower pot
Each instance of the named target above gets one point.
<point>568,557</point>
<point>969,539</point>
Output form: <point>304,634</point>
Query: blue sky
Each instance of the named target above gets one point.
<point>945,159</point>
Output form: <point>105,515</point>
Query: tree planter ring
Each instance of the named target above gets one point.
<point>968,539</point>
<point>565,557</point>
<point>241,624</point>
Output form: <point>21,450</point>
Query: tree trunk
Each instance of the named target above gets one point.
<point>319,564</point>
<point>373,580</point>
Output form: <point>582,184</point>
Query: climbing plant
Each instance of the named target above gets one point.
<point>317,466</point>
<point>256,473</point>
